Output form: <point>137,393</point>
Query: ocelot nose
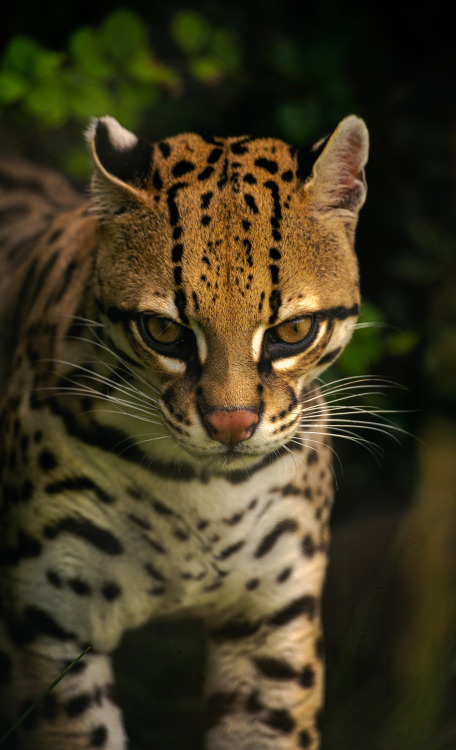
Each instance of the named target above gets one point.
<point>231,427</point>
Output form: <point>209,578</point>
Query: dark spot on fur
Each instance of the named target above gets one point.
<point>307,677</point>
<point>99,737</point>
<point>280,720</point>
<point>47,460</point>
<point>218,705</point>
<point>111,591</point>
<point>304,739</point>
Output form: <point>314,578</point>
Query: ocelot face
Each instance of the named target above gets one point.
<point>229,276</point>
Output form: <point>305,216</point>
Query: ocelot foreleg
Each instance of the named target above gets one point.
<point>79,712</point>
<point>265,681</point>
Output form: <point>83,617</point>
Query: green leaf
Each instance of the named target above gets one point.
<point>21,55</point>
<point>225,46</point>
<point>368,345</point>
<point>13,87</point>
<point>85,49</point>
<point>300,121</point>
<point>90,100</point>
<point>77,162</point>
<point>123,34</point>
<point>48,102</point>
<point>47,64</point>
<point>190,30</point>
<point>207,69</point>
<point>143,68</point>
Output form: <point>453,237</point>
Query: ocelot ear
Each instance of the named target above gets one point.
<point>122,166</point>
<point>337,182</point>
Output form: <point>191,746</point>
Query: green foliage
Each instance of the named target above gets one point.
<point>373,340</point>
<point>111,69</point>
<point>212,51</point>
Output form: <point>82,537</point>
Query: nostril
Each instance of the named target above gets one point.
<point>231,426</point>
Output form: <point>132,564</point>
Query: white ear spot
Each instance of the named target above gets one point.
<point>121,138</point>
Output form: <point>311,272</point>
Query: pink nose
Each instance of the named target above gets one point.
<point>231,426</point>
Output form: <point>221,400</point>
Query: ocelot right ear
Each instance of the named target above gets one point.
<point>122,166</point>
<point>337,183</point>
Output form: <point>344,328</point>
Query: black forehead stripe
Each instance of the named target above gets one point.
<point>180,301</point>
<point>183,167</point>
<point>268,164</point>
<point>239,147</point>
<point>172,204</point>
<point>215,155</point>
<point>277,208</point>
<point>275,300</point>
<point>164,148</point>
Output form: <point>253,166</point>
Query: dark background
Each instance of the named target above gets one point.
<point>267,69</point>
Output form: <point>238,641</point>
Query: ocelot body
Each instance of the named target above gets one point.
<point>165,447</point>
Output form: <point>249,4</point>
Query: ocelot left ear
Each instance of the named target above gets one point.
<point>338,182</point>
<point>122,165</point>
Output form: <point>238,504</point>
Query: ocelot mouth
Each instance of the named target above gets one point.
<point>227,458</point>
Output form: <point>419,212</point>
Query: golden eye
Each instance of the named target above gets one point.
<point>293,331</point>
<point>163,330</point>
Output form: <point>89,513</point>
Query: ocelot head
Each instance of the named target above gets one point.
<point>225,268</point>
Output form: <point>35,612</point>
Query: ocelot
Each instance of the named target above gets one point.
<point>165,447</point>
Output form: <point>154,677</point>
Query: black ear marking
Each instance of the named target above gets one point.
<point>306,158</point>
<point>122,154</point>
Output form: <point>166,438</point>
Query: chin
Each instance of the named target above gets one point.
<point>227,460</point>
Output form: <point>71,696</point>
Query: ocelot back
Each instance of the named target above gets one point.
<point>164,442</point>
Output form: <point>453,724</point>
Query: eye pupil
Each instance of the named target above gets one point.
<point>163,330</point>
<point>293,331</point>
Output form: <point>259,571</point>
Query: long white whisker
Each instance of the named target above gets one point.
<point>102,380</point>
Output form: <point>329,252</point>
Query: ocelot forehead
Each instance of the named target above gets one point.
<point>191,158</point>
<point>237,224</point>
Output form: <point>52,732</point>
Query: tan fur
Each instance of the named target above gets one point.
<point>119,492</point>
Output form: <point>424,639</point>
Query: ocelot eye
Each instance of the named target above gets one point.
<point>166,336</point>
<point>293,331</point>
<point>163,330</point>
<point>290,337</point>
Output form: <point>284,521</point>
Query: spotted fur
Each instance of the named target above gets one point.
<point>164,443</point>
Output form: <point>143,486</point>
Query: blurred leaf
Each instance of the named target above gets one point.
<point>300,121</point>
<point>142,67</point>
<point>131,101</point>
<point>48,101</point>
<point>286,58</point>
<point>190,30</point>
<point>207,69</point>
<point>225,46</point>
<point>85,49</point>
<point>123,34</point>
<point>77,162</point>
<point>367,345</point>
<point>403,342</point>
<point>89,100</point>
<point>13,86</point>
<point>21,55</point>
